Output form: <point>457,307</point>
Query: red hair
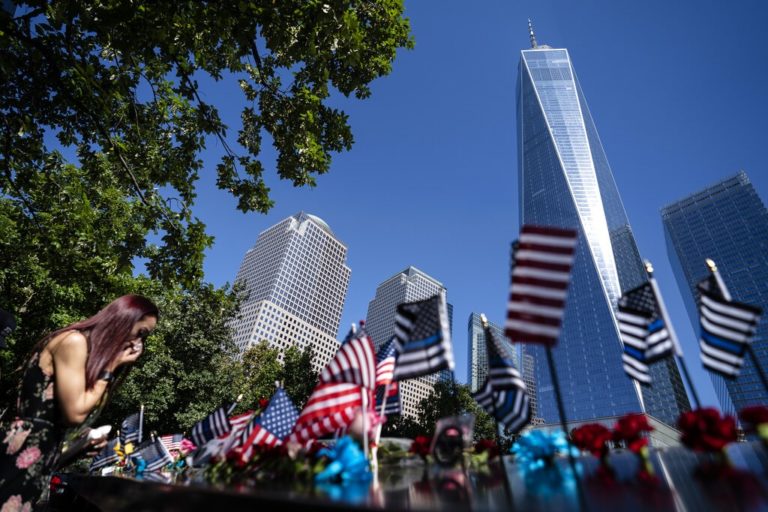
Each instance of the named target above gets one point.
<point>107,331</point>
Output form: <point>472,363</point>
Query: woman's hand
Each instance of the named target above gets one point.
<point>130,354</point>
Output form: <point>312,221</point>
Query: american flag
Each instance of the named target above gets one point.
<point>423,333</point>
<point>214,425</point>
<point>130,429</point>
<point>224,443</point>
<point>330,407</point>
<point>503,394</point>
<point>385,362</point>
<point>155,455</point>
<point>727,328</point>
<point>106,457</point>
<point>645,337</point>
<point>354,362</point>
<point>394,404</point>
<point>273,425</point>
<point>541,274</point>
<point>172,442</point>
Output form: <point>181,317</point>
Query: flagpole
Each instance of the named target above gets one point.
<point>727,296</point>
<point>564,424</point>
<point>141,422</point>
<point>671,331</point>
<point>365,421</point>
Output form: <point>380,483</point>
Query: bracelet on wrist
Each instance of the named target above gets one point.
<point>107,376</point>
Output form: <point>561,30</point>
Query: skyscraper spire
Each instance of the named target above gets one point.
<point>531,34</point>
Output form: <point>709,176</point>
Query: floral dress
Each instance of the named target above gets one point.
<point>30,442</point>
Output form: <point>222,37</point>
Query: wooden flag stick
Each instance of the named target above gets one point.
<point>564,424</point>
<point>727,296</point>
<point>672,334</point>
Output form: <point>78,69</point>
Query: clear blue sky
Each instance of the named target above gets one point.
<point>678,90</point>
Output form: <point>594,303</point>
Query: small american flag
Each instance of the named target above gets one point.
<point>273,425</point>
<point>394,402</point>
<point>503,394</point>
<point>172,442</point>
<point>424,336</point>
<point>155,455</point>
<point>643,333</point>
<point>330,407</point>
<point>385,362</point>
<point>106,457</point>
<point>727,328</point>
<point>214,425</point>
<point>130,429</point>
<point>541,274</point>
<point>224,443</point>
<point>354,362</point>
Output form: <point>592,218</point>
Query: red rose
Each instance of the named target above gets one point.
<point>263,403</point>
<point>630,429</point>
<point>487,445</point>
<point>754,416</point>
<point>592,438</point>
<point>704,430</point>
<point>420,446</point>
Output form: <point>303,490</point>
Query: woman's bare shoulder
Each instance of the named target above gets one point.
<point>68,342</point>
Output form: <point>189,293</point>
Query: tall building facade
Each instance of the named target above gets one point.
<point>296,280</point>
<point>728,223</point>
<point>410,285</point>
<point>565,181</point>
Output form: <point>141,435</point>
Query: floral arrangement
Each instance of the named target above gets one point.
<point>420,446</point>
<point>705,430</point>
<point>630,429</point>
<point>592,438</point>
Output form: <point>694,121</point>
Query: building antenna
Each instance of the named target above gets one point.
<point>531,34</point>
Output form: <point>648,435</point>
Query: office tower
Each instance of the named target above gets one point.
<point>410,285</point>
<point>728,223</point>
<point>565,181</point>
<point>296,280</point>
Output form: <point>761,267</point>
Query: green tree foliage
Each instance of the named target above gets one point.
<point>446,399</point>
<point>255,373</point>
<point>102,122</point>
<point>260,370</point>
<point>298,376</point>
<point>451,399</point>
<point>113,88</point>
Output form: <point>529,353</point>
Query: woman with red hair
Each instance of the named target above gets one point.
<point>64,384</point>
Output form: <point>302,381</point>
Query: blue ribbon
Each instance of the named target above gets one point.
<point>536,449</point>
<point>347,463</point>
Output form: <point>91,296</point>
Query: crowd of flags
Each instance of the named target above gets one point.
<point>358,379</point>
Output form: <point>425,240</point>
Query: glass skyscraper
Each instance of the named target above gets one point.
<point>565,181</point>
<point>728,223</point>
